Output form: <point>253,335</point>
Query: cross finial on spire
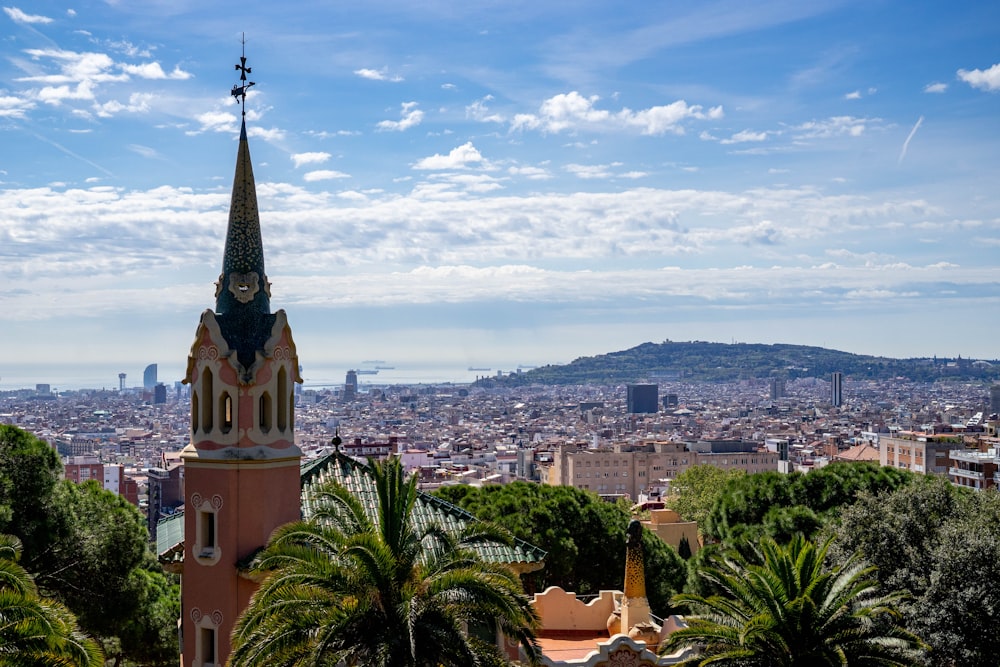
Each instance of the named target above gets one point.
<point>240,91</point>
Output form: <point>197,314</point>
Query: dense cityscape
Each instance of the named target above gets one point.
<point>478,433</point>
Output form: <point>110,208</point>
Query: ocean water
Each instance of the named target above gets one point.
<point>67,377</point>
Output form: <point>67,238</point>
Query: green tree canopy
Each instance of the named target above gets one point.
<point>784,607</point>
<point>34,631</point>
<point>583,536</point>
<point>29,472</point>
<point>383,593</point>
<point>780,506</point>
<point>694,491</point>
<point>87,548</point>
<point>941,545</point>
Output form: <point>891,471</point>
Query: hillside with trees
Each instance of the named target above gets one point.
<point>700,361</point>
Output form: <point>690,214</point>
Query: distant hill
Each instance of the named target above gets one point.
<point>700,361</point>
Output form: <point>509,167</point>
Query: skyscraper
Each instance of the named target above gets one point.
<point>351,386</point>
<point>777,387</point>
<point>642,398</point>
<point>149,377</point>
<point>241,467</point>
<point>837,390</point>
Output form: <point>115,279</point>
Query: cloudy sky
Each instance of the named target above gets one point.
<point>504,182</point>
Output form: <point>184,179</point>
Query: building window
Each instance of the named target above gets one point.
<point>282,402</point>
<point>206,637</point>
<point>207,391</point>
<point>265,412</point>
<point>206,530</point>
<point>194,411</point>
<point>226,412</point>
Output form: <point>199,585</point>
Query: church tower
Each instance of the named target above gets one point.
<point>241,467</point>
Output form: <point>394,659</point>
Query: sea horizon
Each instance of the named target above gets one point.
<point>75,377</point>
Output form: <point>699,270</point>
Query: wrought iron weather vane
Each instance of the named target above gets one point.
<point>240,91</point>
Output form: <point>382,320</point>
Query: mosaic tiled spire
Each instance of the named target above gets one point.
<point>243,284</point>
<point>243,294</point>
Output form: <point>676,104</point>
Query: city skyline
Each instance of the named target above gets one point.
<point>503,184</point>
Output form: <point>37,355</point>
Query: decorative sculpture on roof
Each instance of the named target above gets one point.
<point>240,91</point>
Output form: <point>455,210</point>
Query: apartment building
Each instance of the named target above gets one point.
<point>629,470</point>
<point>927,454</point>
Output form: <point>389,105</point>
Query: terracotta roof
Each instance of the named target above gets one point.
<point>862,452</point>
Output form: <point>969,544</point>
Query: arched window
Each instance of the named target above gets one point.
<point>264,417</point>
<point>225,412</point>
<point>194,412</point>
<point>206,404</point>
<point>282,399</point>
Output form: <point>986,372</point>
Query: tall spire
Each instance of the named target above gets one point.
<point>243,293</point>
<point>243,284</point>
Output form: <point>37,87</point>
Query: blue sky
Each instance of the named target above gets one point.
<point>503,183</point>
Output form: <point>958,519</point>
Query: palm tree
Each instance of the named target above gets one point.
<point>33,630</point>
<point>788,609</point>
<point>344,587</point>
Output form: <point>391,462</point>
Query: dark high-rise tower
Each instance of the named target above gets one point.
<point>837,390</point>
<point>642,398</point>
<point>351,386</point>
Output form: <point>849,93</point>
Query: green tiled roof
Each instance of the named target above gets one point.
<point>170,533</point>
<point>354,476</point>
<point>428,509</point>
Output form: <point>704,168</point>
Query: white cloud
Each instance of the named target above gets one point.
<point>14,107</point>
<point>935,87</point>
<point>217,121</point>
<point>745,136</point>
<point>309,158</point>
<point>480,112</point>
<point>572,111</point>
<point>439,244</point>
<point>144,151</point>
<point>836,126</point>
<point>68,76</point>
<point>460,157</point>
<point>272,134</point>
<point>410,116</point>
<point>18,16</point>
<point>137,103</point>
<point>155,72</point>
<point>323,175</point>
<point>988,79</point>
<point>855,95</point>
<point>378,75</point>
<point>590,171</point>
<point>531,173</point>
